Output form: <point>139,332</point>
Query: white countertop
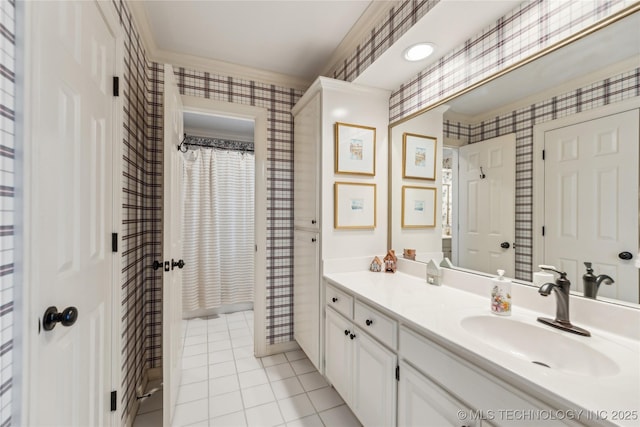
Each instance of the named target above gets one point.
<point>436,312</point>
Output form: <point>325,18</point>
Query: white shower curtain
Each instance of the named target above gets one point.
<point>218,228</point>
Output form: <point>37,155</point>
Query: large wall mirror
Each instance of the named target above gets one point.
<point>538,166</point>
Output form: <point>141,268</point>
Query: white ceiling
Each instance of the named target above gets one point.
<point>295,38</point>
<point>198,124</point>
<point>302,38</point>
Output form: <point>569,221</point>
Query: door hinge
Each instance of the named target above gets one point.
<point>116,86</point>
<point>114,242</point>
<point>114,400</point>
<point>543,154</point>
<point>397,372</point>
<point>543,230</point>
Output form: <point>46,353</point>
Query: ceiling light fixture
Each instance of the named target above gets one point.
<point>419,51</point>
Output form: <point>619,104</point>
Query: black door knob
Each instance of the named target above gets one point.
<point>313,239</point>
<point>334,299</point>
<point>51,316</point>
<point>625,255</point>
<point>175,264</point>
<point>368,322</point>
<point>352,336</point>
<point>157,265</point>
<point>346,332</point>
<point>313,221</point>
<point>505,245</point>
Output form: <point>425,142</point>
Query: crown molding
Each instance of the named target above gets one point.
<point>372,16</point>
<point>214,66</point>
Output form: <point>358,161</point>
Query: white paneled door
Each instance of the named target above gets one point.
<point>486,235</point>
<point>173,265</point>
<point>69,213</point>
<point>591,200</point>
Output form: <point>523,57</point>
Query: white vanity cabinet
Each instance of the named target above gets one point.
<point>420,399</point>
<point>361,370</point>
<point>368,346</point>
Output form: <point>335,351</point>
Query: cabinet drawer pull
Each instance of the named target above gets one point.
<point>346,332</point>
<point>368,322</point>
<point>334,299</point>
<point>352,336</point>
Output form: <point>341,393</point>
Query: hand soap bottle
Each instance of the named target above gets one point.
<point>501,295</point>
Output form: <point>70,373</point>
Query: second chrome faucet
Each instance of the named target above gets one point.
<point>561,288</point>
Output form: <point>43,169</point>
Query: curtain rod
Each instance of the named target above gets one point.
<point>215,143</point>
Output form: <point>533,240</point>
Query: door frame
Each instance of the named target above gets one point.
<point>259,115</point>
<point>28,313</point>
<point>538,163</point>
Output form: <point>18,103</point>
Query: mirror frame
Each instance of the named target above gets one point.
<point>630,10</point>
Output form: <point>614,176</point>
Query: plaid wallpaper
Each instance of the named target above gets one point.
<point>278,101</point>
<point>7,193</point>
<point>528,29</point>
<point>521,122</point>
<point>381,37</point>
<point>141,214</point>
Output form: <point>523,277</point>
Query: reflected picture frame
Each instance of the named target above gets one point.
<point>355,149</point>
<point>354,205</point>
<point>419,156</point>
<point>418,206</point>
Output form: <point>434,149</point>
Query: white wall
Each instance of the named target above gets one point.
<point>350,103</point>
<point>425,240</point>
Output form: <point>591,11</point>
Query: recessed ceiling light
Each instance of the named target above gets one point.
<point>419,51</point>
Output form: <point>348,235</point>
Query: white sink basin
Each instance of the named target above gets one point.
<point>541,345</point>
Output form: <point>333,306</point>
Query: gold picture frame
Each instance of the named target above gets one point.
<point>418,206</point>
<point>355,149</point>
<point>419,156</point>
<point>354,205</point>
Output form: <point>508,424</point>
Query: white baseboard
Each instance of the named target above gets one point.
<point>279,348</point>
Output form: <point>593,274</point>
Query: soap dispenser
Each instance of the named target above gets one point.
<point>501,295</point>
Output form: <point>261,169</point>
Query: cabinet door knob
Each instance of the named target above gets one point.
<point>346,332</point>
<point>334,299</point>
<point>368,322</point>
<point>352,336</point>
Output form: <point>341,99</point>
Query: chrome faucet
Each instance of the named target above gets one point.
<point>561,286</point>
<point>592,282</point>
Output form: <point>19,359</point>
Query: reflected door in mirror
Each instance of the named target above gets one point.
<point>591,200</point>
<point>487,205</point>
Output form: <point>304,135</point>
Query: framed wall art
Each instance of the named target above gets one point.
<point>418,207</point>
<point>418,156</point>
<point>354,205</point>
<point>355,150</point>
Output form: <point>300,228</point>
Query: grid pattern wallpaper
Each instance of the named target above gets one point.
<point>141,214</point>
<point>381,37</point>
<point>278,101</point>
<point>521,122</point>
<point>7,193</point>
<point>526,30</point>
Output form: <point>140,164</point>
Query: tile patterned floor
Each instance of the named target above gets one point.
<point>224,385</point>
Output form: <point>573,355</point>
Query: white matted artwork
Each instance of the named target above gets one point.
<point>354,205</point>
<point>418,207</point>
<point>418,156</point>
<point>355,150</point>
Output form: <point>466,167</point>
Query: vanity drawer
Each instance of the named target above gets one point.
<point>376,324</point>
<point>339,301</point>
<point>475,387</point>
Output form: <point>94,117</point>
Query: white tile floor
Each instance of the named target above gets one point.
<point>223,384</point>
